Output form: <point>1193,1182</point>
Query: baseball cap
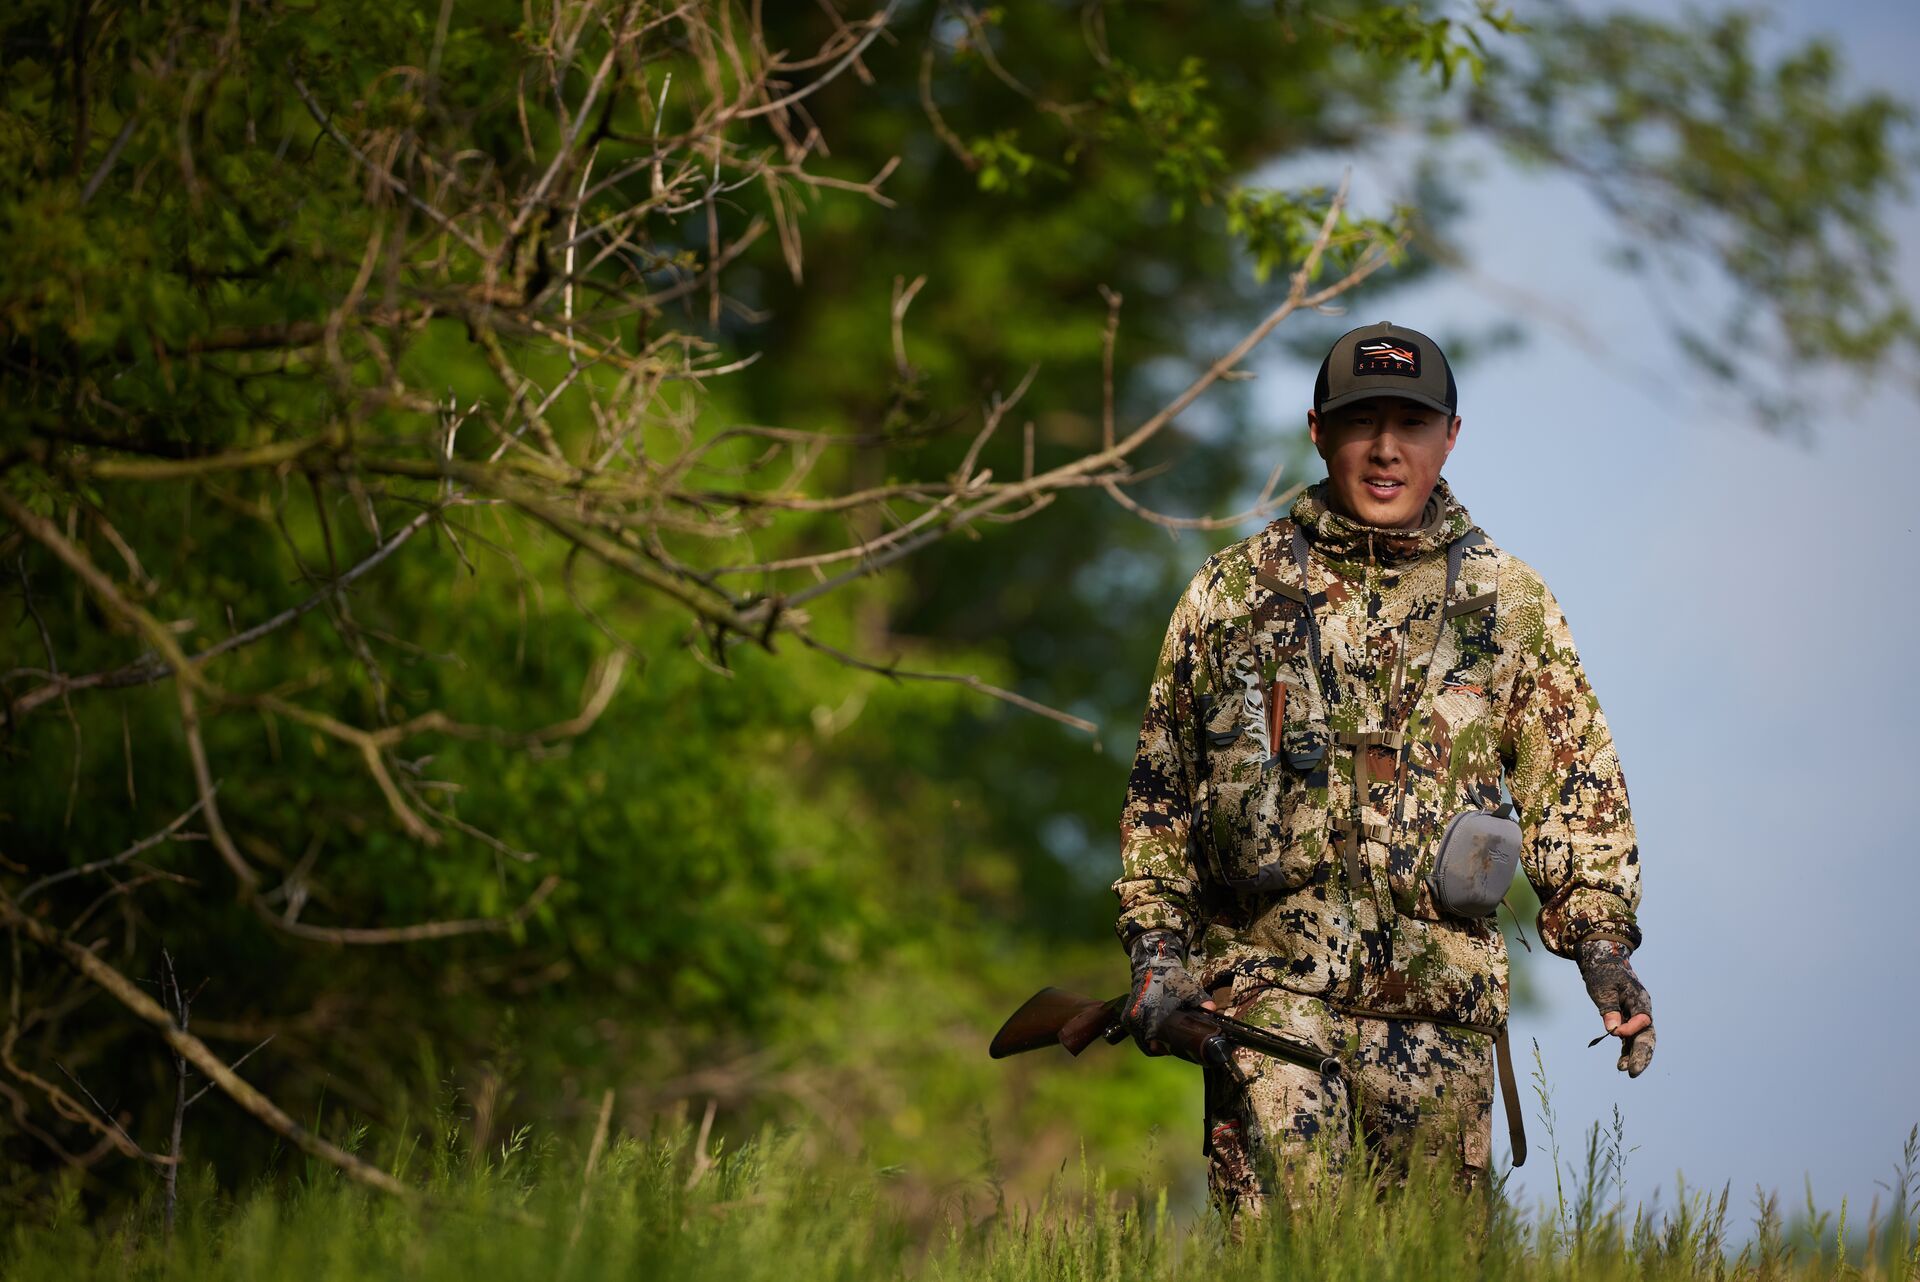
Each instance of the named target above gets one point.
<point>1385,360</point>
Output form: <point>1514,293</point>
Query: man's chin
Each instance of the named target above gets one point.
<point>1401,513</point>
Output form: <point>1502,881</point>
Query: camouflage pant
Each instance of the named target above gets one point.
<point>1410,1088</point>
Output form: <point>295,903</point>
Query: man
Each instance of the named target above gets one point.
<point>1332,695</point>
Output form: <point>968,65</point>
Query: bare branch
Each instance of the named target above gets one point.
<point>109,595</point>
<point>1089,464</point>
<point>258,1046</point>
<point>419,932</point>
<point>1106,365</point>
<point>1262,507</point>
<point>874,26</point>
<point>144,844</point>
<point>326,123</point>
<point>966,679</point>
<point>113,1121</point>
<point>197,1053</point>
<point>146,670</point>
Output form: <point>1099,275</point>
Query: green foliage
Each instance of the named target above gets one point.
<point>1279,228</point>
<point>1441,46</point>
<point>1004,166</point>
<point>1702,147</point>
<point>1173,120</point>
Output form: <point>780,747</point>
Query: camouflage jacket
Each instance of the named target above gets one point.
<point>1348,840</point>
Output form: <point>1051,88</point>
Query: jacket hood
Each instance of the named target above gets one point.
<point>1341,537</point>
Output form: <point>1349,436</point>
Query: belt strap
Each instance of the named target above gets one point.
<point>1516,1125</point>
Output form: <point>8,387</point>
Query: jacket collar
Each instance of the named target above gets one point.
<point>1341,538</point>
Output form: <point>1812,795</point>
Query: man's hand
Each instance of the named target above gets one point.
<point>1161,986</point>
<point>1625,1007</point>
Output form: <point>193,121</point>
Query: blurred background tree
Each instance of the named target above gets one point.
<point>612,546</point>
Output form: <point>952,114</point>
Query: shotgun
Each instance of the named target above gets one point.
<point>1053,1016</point>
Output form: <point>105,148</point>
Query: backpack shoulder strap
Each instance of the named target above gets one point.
<point>1457,552</point>
<point>1456,559</point>
<point>1279,574</point>
<point>1290,576</point>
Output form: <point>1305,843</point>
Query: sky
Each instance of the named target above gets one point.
<point>1746,607</point>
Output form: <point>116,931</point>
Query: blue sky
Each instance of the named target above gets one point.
<point>1746,607</point>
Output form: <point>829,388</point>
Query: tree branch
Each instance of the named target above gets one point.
<point>198,1053</point>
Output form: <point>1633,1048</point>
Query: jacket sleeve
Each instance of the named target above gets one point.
<point>1159,884</point>
<point>1579,850</point>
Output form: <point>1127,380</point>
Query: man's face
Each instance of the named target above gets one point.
<point>1383,455</point>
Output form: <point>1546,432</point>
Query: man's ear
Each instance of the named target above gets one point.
<point>1313,432</point>
<point>1453,433</point>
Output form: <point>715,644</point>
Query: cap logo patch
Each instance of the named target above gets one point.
<point>1387,356</point>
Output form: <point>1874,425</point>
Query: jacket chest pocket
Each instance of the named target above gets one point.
<point>1266,817</point>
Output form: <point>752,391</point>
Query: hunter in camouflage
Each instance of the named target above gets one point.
<point>1322,705</point>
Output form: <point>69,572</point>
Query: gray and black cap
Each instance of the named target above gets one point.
<point>1385,360</point>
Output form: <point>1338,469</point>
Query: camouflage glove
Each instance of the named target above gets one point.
<point>1620,995</point>
<point>1161,986</point>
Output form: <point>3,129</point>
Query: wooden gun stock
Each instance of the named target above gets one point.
<point>1055,1017</point>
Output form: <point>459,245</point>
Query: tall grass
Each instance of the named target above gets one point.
<point>659,1208</point>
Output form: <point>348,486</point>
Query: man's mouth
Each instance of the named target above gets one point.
<point>1383,487</point>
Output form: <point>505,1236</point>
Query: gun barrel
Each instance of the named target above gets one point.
<point>1278,1045</point>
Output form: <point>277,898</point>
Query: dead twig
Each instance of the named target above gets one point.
<point>168,833</point>
<point>190,683</point>
<point>419,932</point>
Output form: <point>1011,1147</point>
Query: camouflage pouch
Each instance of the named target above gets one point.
<point>1260,824</point>
<point>1475,861</point>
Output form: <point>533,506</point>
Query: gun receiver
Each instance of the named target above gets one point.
<point>1053,1016</point>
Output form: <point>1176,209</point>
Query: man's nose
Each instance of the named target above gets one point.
<point>1385,447</point>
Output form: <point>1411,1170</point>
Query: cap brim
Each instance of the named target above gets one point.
<point>1404,393</point>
